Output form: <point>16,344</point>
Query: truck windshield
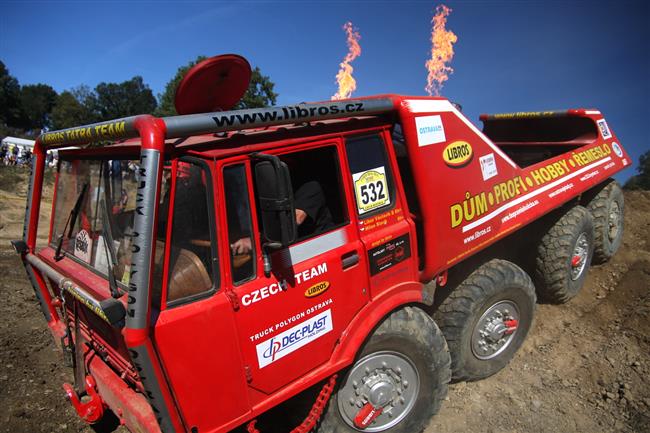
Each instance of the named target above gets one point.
<point>112,182</point>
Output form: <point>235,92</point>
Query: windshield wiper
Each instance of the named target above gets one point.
<point>71,221</point>
<point>109,246</point>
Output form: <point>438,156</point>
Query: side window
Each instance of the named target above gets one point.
<point>242,243</point>
<point>371,176</point>
<point>191,267</point>
<point>404,167</point>
<point>317,190</point>
<point>163,215</point>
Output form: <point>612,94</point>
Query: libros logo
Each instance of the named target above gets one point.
<point>457,154</point>
<point>317,289</point>
<point>293,339</point>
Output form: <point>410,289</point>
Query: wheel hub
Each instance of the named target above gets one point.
<point>381,393</point>
<point>613,221</point>
<point>388,381</point>
<point>580,255</point>
<point>495,330</point>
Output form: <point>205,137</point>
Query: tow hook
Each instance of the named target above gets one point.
<point>511,326</point>
<point>91,410</point>
<point>367,415</point>
<point>575,261</point>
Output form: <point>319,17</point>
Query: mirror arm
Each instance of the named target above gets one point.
<point>267,248</point>
<point>266,258</point>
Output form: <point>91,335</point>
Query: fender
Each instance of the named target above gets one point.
<point>358,330</point>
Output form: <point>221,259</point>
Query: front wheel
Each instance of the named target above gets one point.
<point>398,382</point>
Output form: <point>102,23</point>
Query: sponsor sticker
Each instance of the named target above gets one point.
<point>294,338</point>
<point>604,129</point>
<point>389,254</point>
<point>589,175</point>
<point>617,149</point>
<point>371,189</point>
<point>102,131</point>
<point>488,166</point>
<point>83,246</point>
<point>317,289</point>
<point>519,211</point>
<point>477,234</point>
<point>430,130</point>
<point>457,154</point>
<point>290,320</point>
<point>564,188</point>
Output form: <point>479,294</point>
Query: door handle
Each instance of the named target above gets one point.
<point>350,259</point>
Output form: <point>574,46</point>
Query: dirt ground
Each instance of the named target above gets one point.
<point>584,368</point>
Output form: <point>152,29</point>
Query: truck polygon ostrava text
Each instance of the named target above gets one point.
<point>204,268</point>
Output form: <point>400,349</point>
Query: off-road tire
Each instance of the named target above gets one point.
<point>459,316</point>
<point>413,333</point>
<point>553,265</point>
<point>608,232</point>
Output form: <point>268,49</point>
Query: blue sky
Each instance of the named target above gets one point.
<point>510,56</point>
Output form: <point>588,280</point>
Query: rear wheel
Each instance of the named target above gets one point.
<point>398,382</point>
<point>486,319</point>
<point>564,256</point>
<point>607,209</point>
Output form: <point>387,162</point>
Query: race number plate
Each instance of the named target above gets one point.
<point>371,189</point>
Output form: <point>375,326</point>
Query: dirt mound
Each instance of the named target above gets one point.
<point>585,365</point>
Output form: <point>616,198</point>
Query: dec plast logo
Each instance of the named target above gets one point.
<point>294,338</point>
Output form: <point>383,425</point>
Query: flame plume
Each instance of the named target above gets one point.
<point>345,80</point>
<point>442,51</point>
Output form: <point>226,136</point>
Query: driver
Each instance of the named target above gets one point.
<point>312,216</point>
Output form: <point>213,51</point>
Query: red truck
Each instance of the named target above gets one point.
<point>205,268</point>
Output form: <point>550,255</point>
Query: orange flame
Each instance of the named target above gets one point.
<point>345,80</point>
<point>442,51</point>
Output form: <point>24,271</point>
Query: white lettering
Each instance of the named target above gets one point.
<point>246,299</point>
<point>277,287</point>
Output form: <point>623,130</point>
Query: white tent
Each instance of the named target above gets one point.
<point>29,144</point>
<point>20,142</point>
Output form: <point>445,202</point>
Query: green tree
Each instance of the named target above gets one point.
<point>114,100</point>
<point>37,101</point>
<point>10,113</point>
<point>259,94</point>
<point>72,108</point>
<point>166,99</point>
<point>641,180</point>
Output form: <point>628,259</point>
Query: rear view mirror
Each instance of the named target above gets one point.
<point>275,197</point>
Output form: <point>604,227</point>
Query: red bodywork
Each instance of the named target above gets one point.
<point>469,194</point>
